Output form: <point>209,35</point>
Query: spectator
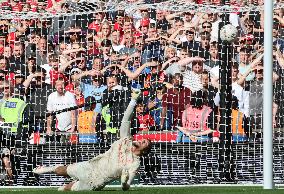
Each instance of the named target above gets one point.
<point>244,64</point>
<point>17,61</point>
<point>197,120</point>
<point>59,100</point>
<point>40,51</point>
<point>175,100</point>
<point>14,114</point>
<point>114,101</point>
<point>87,122</point>
<point>146,121</point>
<point>3,63</point>
<point>239,123</point>
<point>7,52</point>
<point>116,41</point>
<point>213,61</point>
<point>161,20</point>
<point>54,72</point>
<point>192,79</point>
<point>154,106</point>
<point>96,90</point>
<point>38,91</point>
<point>255,103</point>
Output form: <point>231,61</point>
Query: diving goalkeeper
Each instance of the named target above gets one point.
<point>122,160</point>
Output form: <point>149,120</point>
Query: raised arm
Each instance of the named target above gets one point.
<point>29,79</point>
<point>65,63</point>
<point>128,114</point>
<point>134,75</point>
<point>187,60</point>
<point>279,57</point>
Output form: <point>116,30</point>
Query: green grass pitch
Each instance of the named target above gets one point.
<point>163,190</point>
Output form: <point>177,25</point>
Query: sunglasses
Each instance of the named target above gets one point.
<point>207,26</point>
<point>189,33</point>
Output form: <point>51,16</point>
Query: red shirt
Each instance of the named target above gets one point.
<point>145,122</point>
<point>54,75</point>
<point>10,77</point>
<point>17,7</point>
<point>49,3</point>
<point>176,101</point>
<point>94,26</point>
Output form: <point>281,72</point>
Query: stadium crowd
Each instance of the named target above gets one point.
<point>80,69</point>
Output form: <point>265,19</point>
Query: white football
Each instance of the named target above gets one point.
<point>228,33</point>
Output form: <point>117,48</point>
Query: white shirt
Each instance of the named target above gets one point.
<point>117,47</point>
<point>242,96</point>
<point>215,29</point>
<point>192,81</point>
<point>56,102</point>
<point>214,72</point>
<point>47,68</point>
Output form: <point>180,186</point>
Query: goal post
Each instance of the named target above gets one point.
<point>268,182</point>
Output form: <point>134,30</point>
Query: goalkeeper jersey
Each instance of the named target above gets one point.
<point>110,165</point>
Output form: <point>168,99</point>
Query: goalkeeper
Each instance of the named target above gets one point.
<point>122,160</point>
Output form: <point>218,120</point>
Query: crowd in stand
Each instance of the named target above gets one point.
<point>73,74</point>
<point>92,62</point>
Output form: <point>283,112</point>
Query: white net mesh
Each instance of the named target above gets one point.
<point>68,68</point>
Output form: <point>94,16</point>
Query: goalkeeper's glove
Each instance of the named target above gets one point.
<point>124,179</point>
<point>124,176</point>
<point>135,93</point>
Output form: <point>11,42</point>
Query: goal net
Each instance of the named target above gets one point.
<point>67,70</point>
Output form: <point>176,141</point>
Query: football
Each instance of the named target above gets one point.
<point>228,33</point>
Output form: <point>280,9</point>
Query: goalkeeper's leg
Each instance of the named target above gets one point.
<point>72,170</point>
<point>57,169</point>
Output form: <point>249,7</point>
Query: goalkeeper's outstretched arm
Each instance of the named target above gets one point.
<point>128,114</point>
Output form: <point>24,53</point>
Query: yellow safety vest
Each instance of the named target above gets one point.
<point>12,111</point>
<point>107,117</point>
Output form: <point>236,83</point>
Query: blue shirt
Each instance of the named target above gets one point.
<point>97,92</point>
